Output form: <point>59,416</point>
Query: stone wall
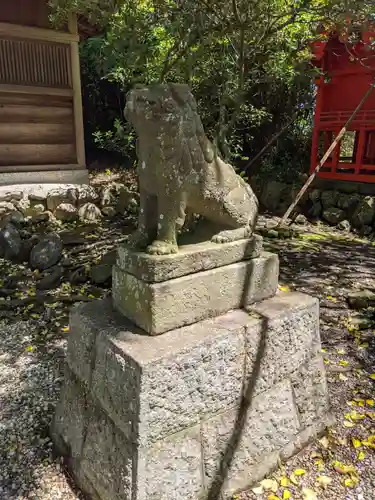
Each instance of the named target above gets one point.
<point>343,208</point>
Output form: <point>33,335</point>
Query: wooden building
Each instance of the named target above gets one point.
<point>41,124</point>
<point>347,73</point>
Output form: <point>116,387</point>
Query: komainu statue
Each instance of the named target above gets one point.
<point>180,172</point>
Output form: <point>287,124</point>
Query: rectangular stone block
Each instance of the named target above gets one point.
<point>284,337</point>
<point>151,417</point>
<point>269,425</point>
<point>190,259</point>
<point>159,307</point>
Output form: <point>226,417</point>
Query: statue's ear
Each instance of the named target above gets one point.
<point>181,93</point>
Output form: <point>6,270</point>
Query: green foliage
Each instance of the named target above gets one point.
<point>247,61</point>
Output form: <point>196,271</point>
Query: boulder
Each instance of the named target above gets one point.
<point>10,242</point>
<point>57,196</point>
<point>89,213</point>
<point>86,194</point>
<point>47,252</point>
<point>24,206</point>
<point>51,278</point>
<point>348,202</point>
<point>344,225</point>
<point>314,195</point>
<point>37,209</point>
<point>46,216</point>
<point>300,220</point>
<point>315,210</point>
<point>329,199</point>
<point>333,215</point>
<point>361,299</point>
<point>16,218</point>
<point>365,212</point>
<point>11,196</point>
<point>109,211</point>
<point>66,212</point>
<point>271,195</point>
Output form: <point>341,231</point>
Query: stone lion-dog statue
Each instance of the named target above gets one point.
<point>180,172</point>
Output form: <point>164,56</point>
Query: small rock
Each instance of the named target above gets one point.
<point>89,213</point>
<point>15,218</point>
<point>333,215</point>
<point>50,279</point>
<point>47,252</point>
<point>38,209</point>
<point>86,194</point>
<point>11,195</point>
<point>6,207</point>
<point>24,206</point>
<point>348,202</point>
<point>61,195</point>
<point>329,198</point>
<point>66,212</point>
<point>344,225</point>
<point>106,197</point>
<point>300,220</point>
<point>26,247</point>
<point>362,322</point>
<point>361,299</point>
<point>46,216</point>
<point>37,197</point>
<point>109,211</point>
<point>10,242</point>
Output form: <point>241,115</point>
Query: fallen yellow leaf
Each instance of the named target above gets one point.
<point>324,481</point>
<point>343,377</point>
<point>270,484</point>
<point>286,494</point>
<point>370,402</point>
<point>356,443</point>
<point>372,376</point>
<point>344,469</point>
<point>342,362</point>
<point>29,348</point>
<point>65,329</point>
<point>348,424</point>
<point>332,299</point>
<point>324,350</point>
<point>258,490</point>
<point>293,479</point>
<point>361,455</point>
<point>309,494</point>
<point>340,351</point>
<point>273,497</point>
<point>284,481</point>
<point>299,472</point>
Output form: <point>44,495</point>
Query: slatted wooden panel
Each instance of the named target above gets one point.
<point>30,62</point>
<point>36,130</point>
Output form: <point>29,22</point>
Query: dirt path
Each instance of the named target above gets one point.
<point>325,266</point>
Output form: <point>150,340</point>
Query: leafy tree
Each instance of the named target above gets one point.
<point>247,61</point>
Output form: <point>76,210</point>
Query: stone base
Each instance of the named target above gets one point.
<point>160,293</point>
<point>157,418</point>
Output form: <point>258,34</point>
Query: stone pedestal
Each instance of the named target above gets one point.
<point>146,417</point>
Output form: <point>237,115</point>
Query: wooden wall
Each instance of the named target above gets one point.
<point>26,12</point>
<point>36,130</point>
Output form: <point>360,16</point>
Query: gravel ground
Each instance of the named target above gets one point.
<point>30,379</point>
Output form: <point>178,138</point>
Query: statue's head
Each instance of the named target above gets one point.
<point>161,104</point>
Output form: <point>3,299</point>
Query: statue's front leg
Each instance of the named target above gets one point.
<point>147,224</point>
<point>170,208</point>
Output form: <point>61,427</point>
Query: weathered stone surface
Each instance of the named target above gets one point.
<point>107,458</point>
<point>315,210</point>
<point>159,307</point>
<point>344,225</point>
<point>172,468</point>
<point>47,252</point>
<point>61,195</point>
<point>180,172</point>
<point>66,212</point>
<point>190,259</point>
<point>271,195</point>
<point>272,422</point>
<point>10,242</point>
<point>364,215</point>
<point>283,337</point>
<point>310,391</point>
<point>158,412</point>
<point>86,194</point>
<point>89,213</point>
<point>329,198</point>
<point>333,215</point>
<point>348,202</point>
<point>360,299</point>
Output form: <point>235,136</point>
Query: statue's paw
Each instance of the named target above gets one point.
<point>232,235</point>
<point>162,248</point>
